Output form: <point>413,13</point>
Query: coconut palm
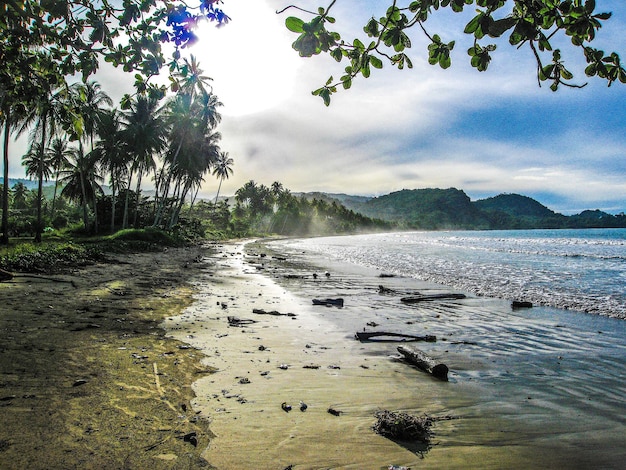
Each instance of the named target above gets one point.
<point>58,153</point>
<point>46,114</point>
<point>40,167</point>
<point>191,79</point>
<point>81,181</point>
<point>89,101</point>
<point>111,153</point>
<point>223,169</point>
<point>144,133</point>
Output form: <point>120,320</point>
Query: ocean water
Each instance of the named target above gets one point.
<point>543,387</point>
<point>583,270</point>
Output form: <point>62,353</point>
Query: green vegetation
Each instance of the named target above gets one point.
<point>449,209</point>
<point>536,24</point>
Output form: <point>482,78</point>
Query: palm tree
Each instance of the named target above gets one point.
<point>81,181</point>
<point>190,78</point>
<point>58,153</point>
<point>223,169</point>
<point>144,133</point>
<point>20,192</point>
<point>110,152</point>
<point>38,166</point>
<point>46,113</point>
<point>89,100</point>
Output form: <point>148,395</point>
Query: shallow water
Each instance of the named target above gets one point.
<point>575,269</point>
<point>532,388</point>
<point>548,382</point>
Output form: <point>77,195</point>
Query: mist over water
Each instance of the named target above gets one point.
<point>582,270</point>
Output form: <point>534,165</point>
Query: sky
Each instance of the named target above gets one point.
<point>485,133</point>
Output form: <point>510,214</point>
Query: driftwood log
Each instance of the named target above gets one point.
<point>382,335</point>
<point>234,321</point>
<point>260,311</point>
<point>7,276</point>
<point>329,302</point>
<point>427,298</point>
<point>424,362</point>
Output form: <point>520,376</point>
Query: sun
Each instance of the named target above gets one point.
<point>250,59</point>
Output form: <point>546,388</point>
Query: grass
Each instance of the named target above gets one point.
<point>62,250</point>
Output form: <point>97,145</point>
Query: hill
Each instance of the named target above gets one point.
<point>440,209</point>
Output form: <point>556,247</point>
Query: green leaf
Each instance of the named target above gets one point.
<point>294,24</point>
<point>376,62</point>
<point>472,26</point>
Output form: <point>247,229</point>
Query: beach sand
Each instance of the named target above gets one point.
<point>304,359</point>
<point>508,404</point>
<point>87,377</point>
<point>138,367</point>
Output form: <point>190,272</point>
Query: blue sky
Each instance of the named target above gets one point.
<point>485,133</point>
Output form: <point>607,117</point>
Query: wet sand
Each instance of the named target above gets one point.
<point>506,414</point>
<point>89,377</point>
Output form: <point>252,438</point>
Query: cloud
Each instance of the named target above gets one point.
<point>486,133</point>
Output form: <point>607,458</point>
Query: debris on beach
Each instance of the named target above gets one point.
<point>386,336</point>
<point>431,297</point>
<point>260,311</point>
<point>329,302</point>
<point>424,362</point>
<point>403,426</point>
<point>334,411</point>
<point>234,321</point>
<point>521,304</point>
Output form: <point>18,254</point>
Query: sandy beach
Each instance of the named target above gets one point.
<point>87,377</point>
<point>510,397</point>
<point>136,365</point>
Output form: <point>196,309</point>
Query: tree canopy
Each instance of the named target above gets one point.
<point>536,24</point>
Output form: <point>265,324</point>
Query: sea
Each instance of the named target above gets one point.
<point>583,270</point>
<point>544,385</point>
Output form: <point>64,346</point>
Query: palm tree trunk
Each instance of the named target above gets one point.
<point>82,187</point>
<point>218,190</point>
<point>39,228</point>
<point>125,218</point>
<point>112,202</point>
<point>138,190</point>
<point>5,188</point>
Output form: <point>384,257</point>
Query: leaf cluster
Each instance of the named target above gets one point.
<point>43,42</point>
<point>535,24</point>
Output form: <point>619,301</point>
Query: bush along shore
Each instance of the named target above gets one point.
<point>88,377</point>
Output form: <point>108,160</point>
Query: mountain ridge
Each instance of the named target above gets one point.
<point>451,208</point>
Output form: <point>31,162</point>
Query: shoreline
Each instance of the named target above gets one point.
<point>122,370</point>
<point>507,411</point>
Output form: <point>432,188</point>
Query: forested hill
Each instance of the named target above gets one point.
<point>438,209</point>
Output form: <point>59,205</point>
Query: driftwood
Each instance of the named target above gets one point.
<point>234,321</point>
<point>260,311</point>
<point>368,335</point>
<point>328,302</point>
<point>7,276</point>
<point>426,298</point>
<point>521,304</point>
<point>424,362</point>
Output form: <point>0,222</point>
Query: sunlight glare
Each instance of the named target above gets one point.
<point>250,59</point>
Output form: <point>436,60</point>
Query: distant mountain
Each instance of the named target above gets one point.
<point>426,208</point>
<point>515,205</point>
<point>438,209</point>
<point>30,184</point>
